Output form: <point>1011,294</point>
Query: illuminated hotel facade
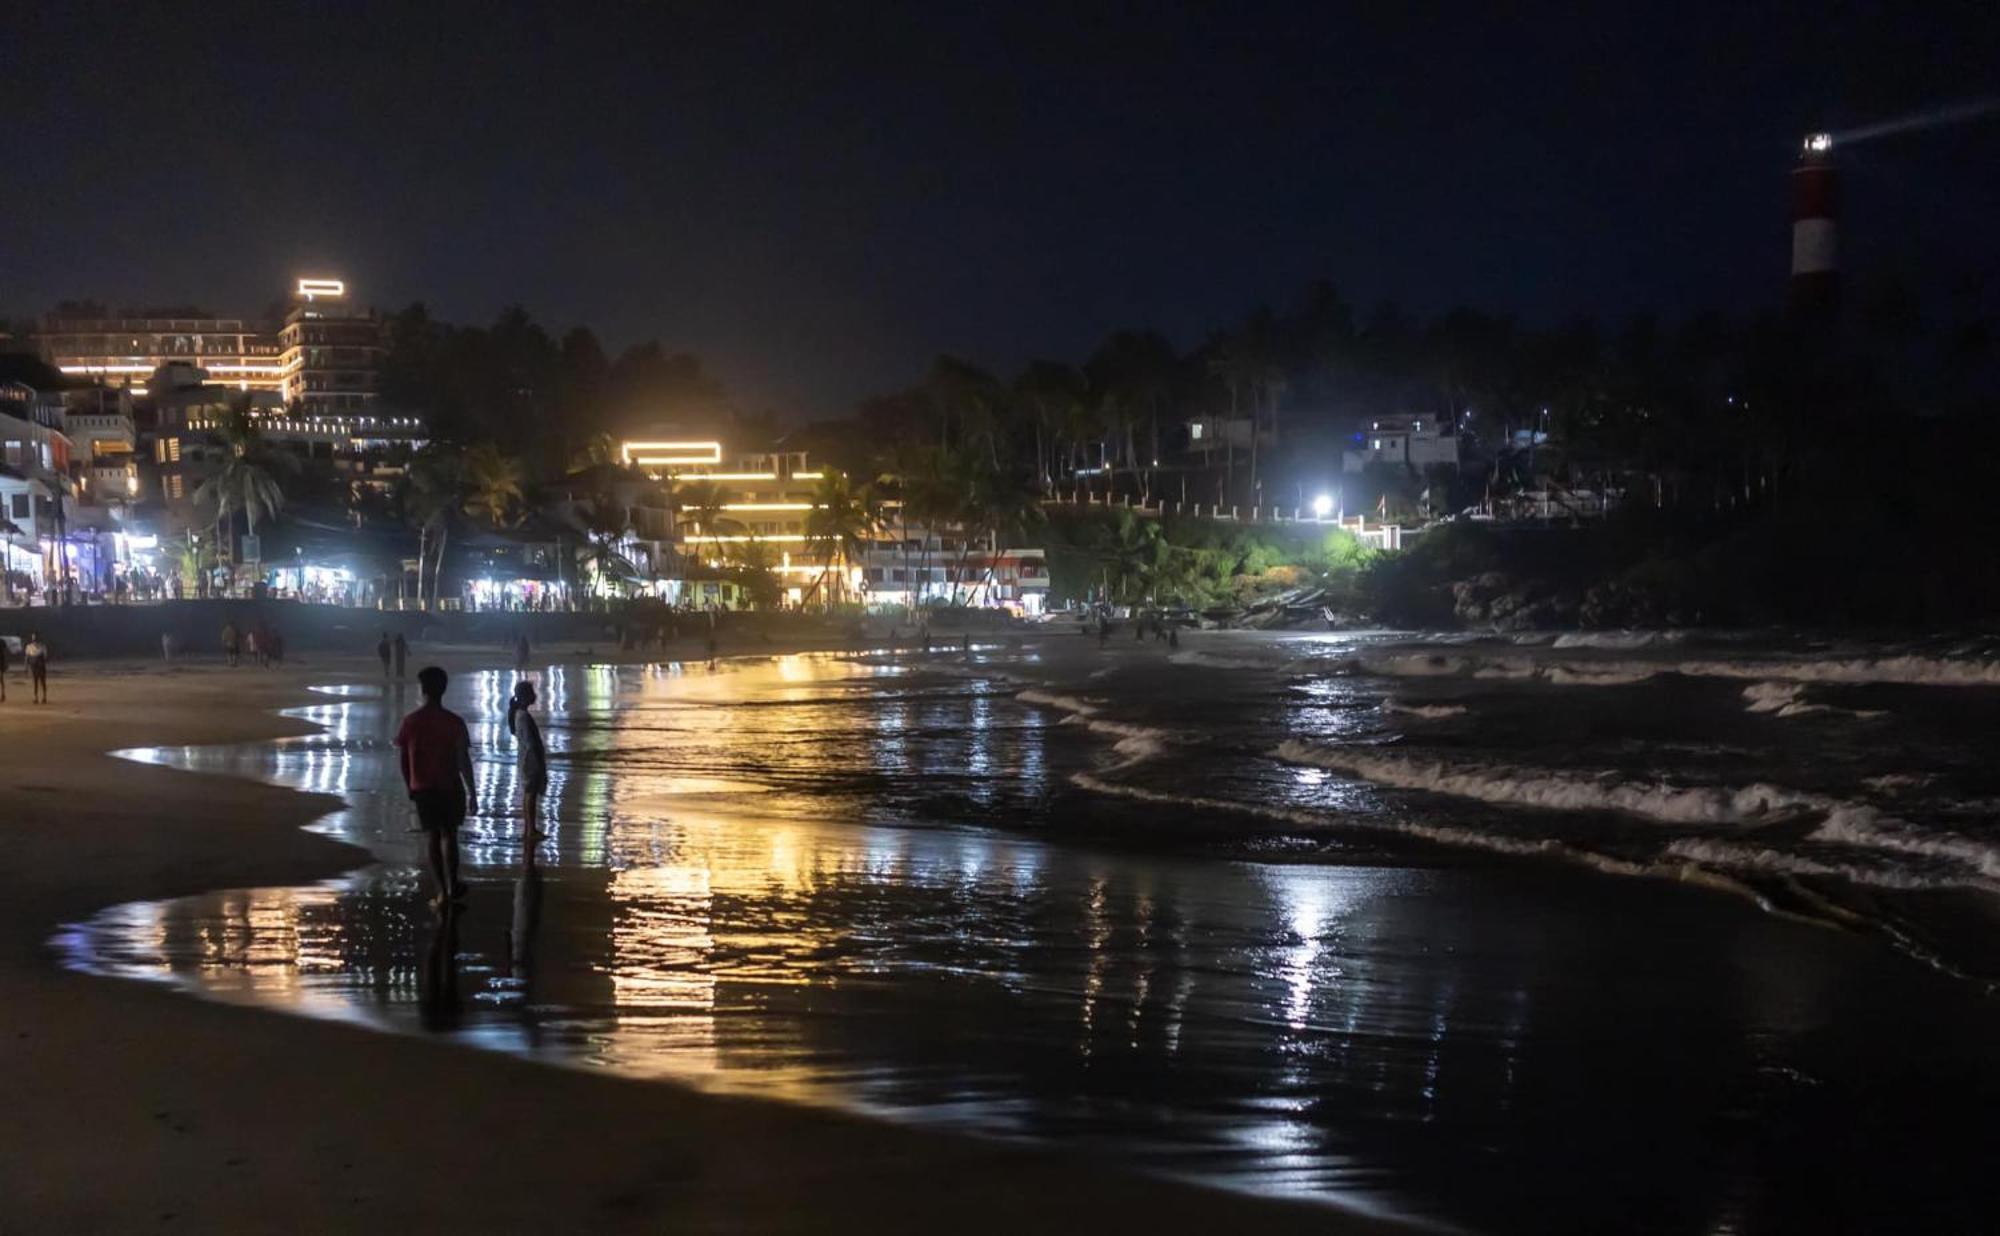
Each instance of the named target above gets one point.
<point>124,351</point>
<point>769,497</point>
<point>323,357</point>
<point>765,499</point>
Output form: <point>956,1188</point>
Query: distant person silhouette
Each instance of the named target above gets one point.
<point>436,761</point>
<point>382,652</point>
<point>521,655</point>
<point>36,653</point>
<point>531,760</point>
<point>402,652</point>
<point>232,644</point>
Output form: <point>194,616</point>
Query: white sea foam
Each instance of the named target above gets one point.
<point>1439,834</point>
<point>1615,639</point>
<point>1761,860</point>
<point>1842,822</point>
<point>1788,699</point>
<point>1900,669</point>
<point>1134,744</point>
<point>1869,828</point>
<point>1428,712</point>
<point>1522,787</point>
<point>1212,660</point>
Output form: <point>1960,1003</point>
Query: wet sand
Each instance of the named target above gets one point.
<point>131,1107</point>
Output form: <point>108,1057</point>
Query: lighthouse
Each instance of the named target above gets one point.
<point>1815,233</point>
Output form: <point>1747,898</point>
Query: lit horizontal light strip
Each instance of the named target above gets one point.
<point>671,452</point>
<point>699,538</point>
<point>322,287</point>
<point>217,368</point>
<point>768,506</point>
<point>733,476</point>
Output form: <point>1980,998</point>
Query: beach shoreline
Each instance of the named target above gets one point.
<point>134,1106</point>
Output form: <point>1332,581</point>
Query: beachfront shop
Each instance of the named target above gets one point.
<point>321,565</point>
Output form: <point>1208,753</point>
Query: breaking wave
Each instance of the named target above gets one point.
<point>1901,670</point>
<point>1946,859</point>
<point>1428,712</point>
<point>1516,787</point>
<point>1788,699</point>
<point>1134,744</point>
<point>1214,661</point>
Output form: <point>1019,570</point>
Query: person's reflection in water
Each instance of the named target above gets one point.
<point>521,940</point>
<point>437,996</point>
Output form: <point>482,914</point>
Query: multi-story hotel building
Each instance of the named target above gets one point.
<point>322,357</point>
<point>330,350</point>
<point>124,351</point>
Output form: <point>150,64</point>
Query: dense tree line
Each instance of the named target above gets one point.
<point>1718,430</point>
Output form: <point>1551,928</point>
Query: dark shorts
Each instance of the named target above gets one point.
<point>439,809</point>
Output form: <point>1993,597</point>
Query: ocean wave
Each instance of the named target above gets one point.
<point>1503,785</point>
<point>1452,835</point>
<point>1841,822</point>
<point>1428,712</point>
<point>1213,661</point>
<point>1134,744</point>
<point>1788,699</point>
<point>1899,670</point>
<point>1616,639</point>
<point>1762,860</point>
<point>1870,829</point>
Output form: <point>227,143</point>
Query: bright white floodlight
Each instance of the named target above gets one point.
<point>1322,506</point>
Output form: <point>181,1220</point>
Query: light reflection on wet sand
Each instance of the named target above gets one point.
<point>730,896</point>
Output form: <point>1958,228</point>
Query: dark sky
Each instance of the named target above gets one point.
<point>818,199</point>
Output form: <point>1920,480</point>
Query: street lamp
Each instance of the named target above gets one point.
<point>1322,506</point>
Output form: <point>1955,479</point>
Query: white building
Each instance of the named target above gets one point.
<point>1416,442</point>
<point>34,467</point>
<point>908,565</point>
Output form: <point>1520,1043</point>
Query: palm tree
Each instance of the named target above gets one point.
<point>433,491</point>
<point>606,522</point>
<point>842,522</point>
<point>1006,510</point>
<point>598,450</point>
<point>246,480</point>
<point>700,504</point>
<point>493,480</point>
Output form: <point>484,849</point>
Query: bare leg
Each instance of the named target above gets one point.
<point>451,862</point>
<point>435,851</point>
<point>531,815</point>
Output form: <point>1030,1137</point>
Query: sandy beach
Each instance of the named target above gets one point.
<point>130,1107</point>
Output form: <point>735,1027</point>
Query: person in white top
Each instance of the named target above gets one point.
<point>531,757</point>
<point>36,653</point>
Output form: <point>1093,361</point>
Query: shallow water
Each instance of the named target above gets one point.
<point>1219,913</point>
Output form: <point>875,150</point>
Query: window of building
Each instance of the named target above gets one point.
<point>899,575</point>
<point>20,506</point>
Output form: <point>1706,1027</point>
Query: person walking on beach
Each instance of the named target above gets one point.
<point>402,651</point>
<point>36,653</point>
<point>167,647</point>
<point>521,655</point>
<point>382,653</point>
<point>531,759</point>
<point>436,752</point>
<point>231,642</point>
<point>251,646</point>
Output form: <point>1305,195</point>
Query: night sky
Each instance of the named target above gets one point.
<point>819,199</point>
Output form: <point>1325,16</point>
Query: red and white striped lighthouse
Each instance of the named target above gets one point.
<point>1815,235</point>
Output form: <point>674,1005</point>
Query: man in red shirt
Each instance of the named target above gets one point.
<point>437,767</point>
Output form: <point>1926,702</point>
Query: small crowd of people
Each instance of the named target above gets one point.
<point>264,644</point>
